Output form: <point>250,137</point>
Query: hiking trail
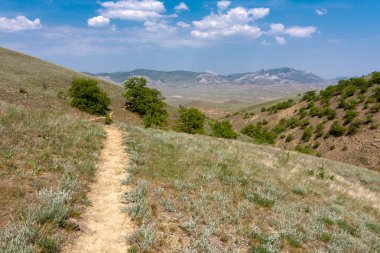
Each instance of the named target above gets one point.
<point>103,224</point>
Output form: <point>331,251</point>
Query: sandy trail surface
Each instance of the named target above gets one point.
<point>104,225</point>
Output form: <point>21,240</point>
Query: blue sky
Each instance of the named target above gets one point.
<point>329,38</point>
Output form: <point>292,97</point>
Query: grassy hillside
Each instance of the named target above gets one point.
<point>308,124</point>
<point>201,194</point>
<point>38,84</point>
<point>46,162</point>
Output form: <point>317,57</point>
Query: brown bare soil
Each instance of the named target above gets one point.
<point>104,225</point>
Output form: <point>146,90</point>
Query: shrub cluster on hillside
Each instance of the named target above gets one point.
<point>88,97</point>
<point>147,102</point>
<point>223,129</point>
<point>191,121</point>
<point>347,98</point>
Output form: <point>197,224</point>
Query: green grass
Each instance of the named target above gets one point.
<point>46,162</point>
<point>214,195</point>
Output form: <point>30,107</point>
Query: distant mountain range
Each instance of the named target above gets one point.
<point>262,77</point>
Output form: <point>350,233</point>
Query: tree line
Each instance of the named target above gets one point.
<point>148,102</point>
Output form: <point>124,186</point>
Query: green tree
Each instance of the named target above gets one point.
<point>191,120</point>
<point>147,102</point>
<point>88,97</point>
<point>223,129</point>
<point>375,77</point>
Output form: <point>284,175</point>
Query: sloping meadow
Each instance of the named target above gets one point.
<point>46,162</point>
<point>201,194</point>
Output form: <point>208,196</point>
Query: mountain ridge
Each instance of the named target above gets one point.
<point>276,76</point>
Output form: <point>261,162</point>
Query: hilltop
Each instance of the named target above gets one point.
<point>34,83</point>
<point>307,123</point>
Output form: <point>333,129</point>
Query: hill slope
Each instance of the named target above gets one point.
<point>201,194</point>
<point>308,125</point>
<point>35,83</point>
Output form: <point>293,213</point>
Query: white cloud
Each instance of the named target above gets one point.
<point>235,22</point>
<point>183,24</point>
<point>321,12</point>
<point>156,26</point>
<point>138,10</point>
<point>223,5</point>
<point>98,21</point>
<point>19,23</point>
<point>181,7</point>
<point>280,40</point>
<point>293,31</point>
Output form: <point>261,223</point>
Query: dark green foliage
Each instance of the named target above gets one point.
<point>289,138</point>
<point>325,237</point>
<point>260,134</point>
<point>337,129</point>
<point>319,131</point>
<point>375,78</point>
<point>353,127</point>
<point>376,94</point>
<point>293,123</point>
<point>156,118</point>
<point>223,129</point>
<point>307,133</point>
<point>88,97</point>
<point>316,111</point>
<point>305,149</point>
<point>191,121</point>
<point>303,112</point>
<point>309,96</point>
<point>281,106</point>
<point>350,116</point>
<point>49,245</point>
<point>147,102</point>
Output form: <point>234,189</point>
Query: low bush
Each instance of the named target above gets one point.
<point>191,121</point>
<point>88,97</point>
<point>353,127</point>
<point>281,106</point>
<point>337,129</point>
<point>350,116</point>
<point>223,129</point>
<point>308,132</point>
<point>289,138</point>
<point>260,134</point>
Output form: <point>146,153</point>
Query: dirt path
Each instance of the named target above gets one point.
<point>104,225</point>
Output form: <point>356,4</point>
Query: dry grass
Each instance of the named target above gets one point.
<point>198,194</point>
<point>46,162</point>
<point>34,83</point>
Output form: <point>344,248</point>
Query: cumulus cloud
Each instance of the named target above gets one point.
<point>280,40</point>
<point>236,21</point>
<point>138,10</point>
<point>223,5</point>
<point>98,21</point>
<point>321,12</point>
<point>157,26</point>
<point>181,7</point>
<point>183,24</point>
<point>293,31</point>
<point>19,23</point>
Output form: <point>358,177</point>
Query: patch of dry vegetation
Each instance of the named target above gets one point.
<point>199,194</point>
<point>33,83</point>
<point>46,162</point>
